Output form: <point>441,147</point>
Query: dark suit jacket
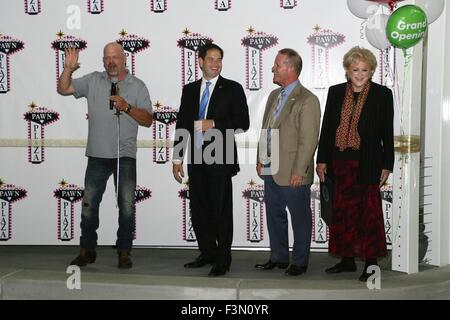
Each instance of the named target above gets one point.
<point>375,128</point>
<point>229,110</point>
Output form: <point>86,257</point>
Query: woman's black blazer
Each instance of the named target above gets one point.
<point>375,128</point>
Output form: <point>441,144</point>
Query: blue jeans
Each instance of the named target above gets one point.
<point>98,172</point>
<point>298,200</point>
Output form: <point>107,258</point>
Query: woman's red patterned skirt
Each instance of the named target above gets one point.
<point>357,228</point>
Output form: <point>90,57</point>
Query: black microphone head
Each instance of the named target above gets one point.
<point>114,81</point>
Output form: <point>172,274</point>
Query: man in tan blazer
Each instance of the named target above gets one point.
<point>289,137</point>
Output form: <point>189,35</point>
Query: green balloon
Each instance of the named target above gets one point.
<point>406,26</point>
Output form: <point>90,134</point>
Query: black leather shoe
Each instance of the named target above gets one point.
<point>198,263</point>
<point>124,260</point>
<point>217,271</point>
<point>85,257</point>
<point>269,265</point>
<point>365,275</point>
<point>294,270</point>
<point>341,267</point>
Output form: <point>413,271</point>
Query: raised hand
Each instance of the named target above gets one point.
<point>71,60</point>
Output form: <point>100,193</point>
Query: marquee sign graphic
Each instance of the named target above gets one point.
<point>140,194</point>
<point>8,195</point>
<point>255,43</point>
<point>288,4</point>
<point>38,118</point>
<point>132,44</point>
<point>189,45</point>
<point>222,5</point>
<point>32,7</point>
<point>386,202</point>
<point>163,117</point>
<point>188,229</point>
<point>387,61</point>
<point>8,46</point>
<point>254,196</point>
<point>158,6</point>
<point>60,45</point>
<point>320,232</point>
<point>95,6</point>
<point>67,195</point>
<point>321,41</point>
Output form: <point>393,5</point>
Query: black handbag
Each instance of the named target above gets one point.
<point>326,200</point>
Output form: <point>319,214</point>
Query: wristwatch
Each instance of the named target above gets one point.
<point>128,109</point>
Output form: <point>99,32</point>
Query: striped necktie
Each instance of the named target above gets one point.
<point>275,115</point>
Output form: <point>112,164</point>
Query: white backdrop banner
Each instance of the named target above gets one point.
<point>43,134</point>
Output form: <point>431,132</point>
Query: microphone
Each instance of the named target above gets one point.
<point>113,91</point>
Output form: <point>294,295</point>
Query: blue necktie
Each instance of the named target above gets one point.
<point>202,114</point>
<point>275,116</point>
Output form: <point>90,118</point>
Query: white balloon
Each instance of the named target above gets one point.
<point>376,31</point>
<point>363,8</point>
<point>433,9</point>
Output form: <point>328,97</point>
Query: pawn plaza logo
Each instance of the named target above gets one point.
<point>222,5</point>
<point>288,4</point>
<point>132,44</point>
<point>8,194</point>
<point>255,43</point>
<point>95,6</point>
<point>254,196</point>
<point>188,229</point>
<point>8,46</point>
<point>140,194</point>
<point>38,118</point>
<point>67,195</point>
<point>321,41</point>
<point>386,64</point>
<point>320,232</point>
<point>158,6</point>
<point>386,202</point>
<point>62,43</point>
<point>163,118</point>
<point>189,45</point>
<point>32,7</point>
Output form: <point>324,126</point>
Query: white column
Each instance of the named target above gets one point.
<point>405,245</point>
<point>434,194</point>
<point>445,146</point>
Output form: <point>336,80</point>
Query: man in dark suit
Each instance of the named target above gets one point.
<point>211,110</point>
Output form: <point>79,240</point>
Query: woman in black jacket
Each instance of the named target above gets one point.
<point>356,150</point>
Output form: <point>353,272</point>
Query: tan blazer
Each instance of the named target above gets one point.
<point>298,125</point>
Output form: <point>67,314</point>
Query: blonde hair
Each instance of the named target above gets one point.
<point>356,54</point>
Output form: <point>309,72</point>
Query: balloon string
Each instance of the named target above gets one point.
<point>404,156</point>
<point>392,5</point>
<point>396,234</point>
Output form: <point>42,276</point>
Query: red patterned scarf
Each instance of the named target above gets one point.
<point>347,133</point>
